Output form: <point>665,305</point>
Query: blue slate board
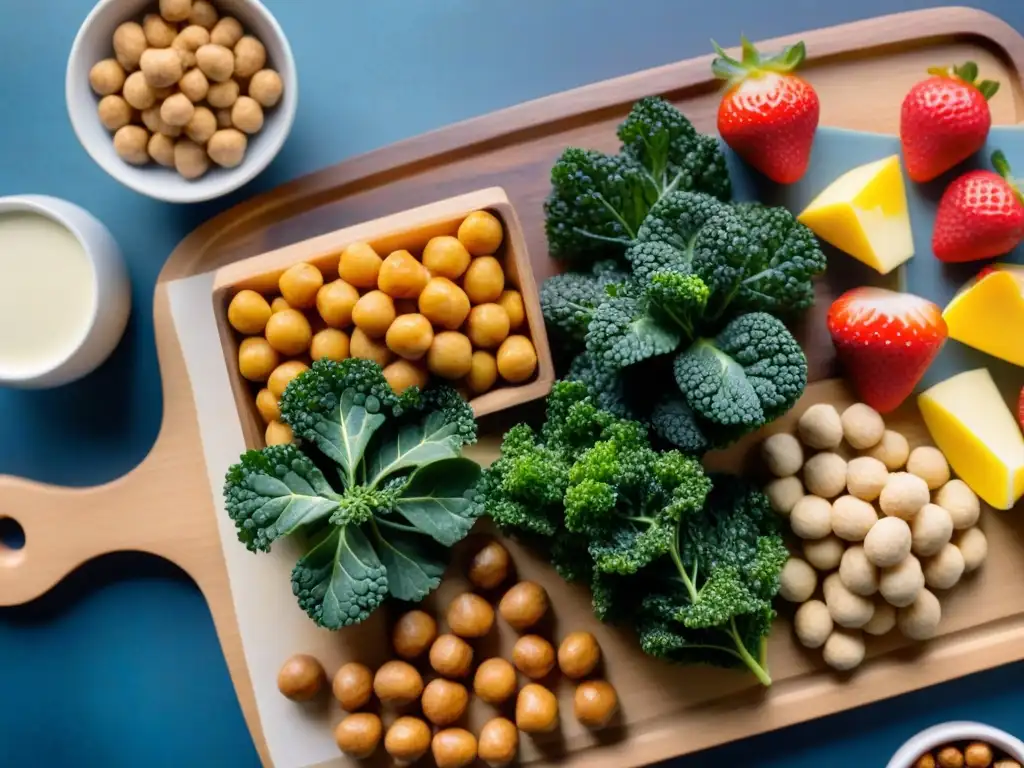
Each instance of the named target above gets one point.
<point>837,150</point>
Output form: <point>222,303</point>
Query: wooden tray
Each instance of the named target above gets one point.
<point>168,505</point>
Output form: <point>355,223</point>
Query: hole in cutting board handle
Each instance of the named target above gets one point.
<point>12,540</point>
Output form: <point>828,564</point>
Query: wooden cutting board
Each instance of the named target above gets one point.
<point>169,504</point>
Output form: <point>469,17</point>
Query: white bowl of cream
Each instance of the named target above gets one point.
<point>66,294</point>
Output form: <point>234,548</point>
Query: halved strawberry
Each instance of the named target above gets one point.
<point>885,341</point>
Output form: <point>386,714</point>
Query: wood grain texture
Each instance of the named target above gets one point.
<point>163,506</point>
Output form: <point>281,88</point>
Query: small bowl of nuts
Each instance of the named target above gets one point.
<point>960,745</point>
<point>181,100</point>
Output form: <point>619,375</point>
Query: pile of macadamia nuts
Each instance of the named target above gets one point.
<point>884,526</point>
<point>447,661</point>
<point>185,87</point>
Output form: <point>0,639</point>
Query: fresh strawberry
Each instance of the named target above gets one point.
<point>768,115</point>
<point>980,215</point>
<point>945,120</point>
<point>885,341</point>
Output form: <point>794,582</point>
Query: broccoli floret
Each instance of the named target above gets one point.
<point>623,331</point>
<point>751,373</point>
<point>568,300</point>
<point>677,300</point>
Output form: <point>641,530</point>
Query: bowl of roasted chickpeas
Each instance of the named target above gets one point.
<point>960,744</point>
<point>181,100</point>
<point>439,294</point>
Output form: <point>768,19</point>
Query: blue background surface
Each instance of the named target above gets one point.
<point>120,665</point>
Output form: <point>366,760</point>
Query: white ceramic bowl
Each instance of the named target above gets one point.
<point>111,291</point>
<point>94,43</point>
<point>951,733</point>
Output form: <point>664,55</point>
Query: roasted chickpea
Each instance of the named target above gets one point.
<point>451,656</point>
<point>374,313</point>
<point>266,87</point>
<point>301,678</point>
<point>401,276</point>
<point>481,233</point>
<point>402,374</point>
<point>483,372</point>
<point>512,302</point>
<point>450,355</point>
<point>129,44</point>
<point>489,567</point>
<point>175,10</point>
<point>407,740</point>
<point>595,703</point>
<point>487,325</point>
<point>283,374</point>
<point>443,303</point>
<point>517,359</point>
<point>410,336</point>
<point>278,433</point>
<point>115,113</point>
<point>227,32</point>
<point>353,685</point>
<point>533,656</point>
<point>289,332</point>
<point>247,115</point>
<point>256,358</point>
<point>329,343</point>
<point>250,56</point>
<point>359,265</point>
<point>203,13</point>
<point>499,741</point>
<point>470,615</point>
<point>107,78</point>
<point>443,701</point>
<point>267,405</point>
<point>334,302</point>
<point>453,748</point>
<point>216,61</point>
<point>397,682</point>
<point>578,654</point>
<point>278,305</point>
<point>484,281</point>
<point>366,348</point>
<point>358,735</point>
<point>222,95</point>
<point>299,285</point>
<point>523,605</point>
<point>137,92</point>
<point>977,754</point>
<point>414,632</point>
<point>494,681</point>
<point>950,757</point>
<point>536,709</point>
<point>445,256</point>
<point>248,312</point>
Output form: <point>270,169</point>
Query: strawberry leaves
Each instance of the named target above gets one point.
<point>968,73</point>
<point>752,63</point>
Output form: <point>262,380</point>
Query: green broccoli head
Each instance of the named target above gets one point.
<point>574,420</point>
<point>568,301</point>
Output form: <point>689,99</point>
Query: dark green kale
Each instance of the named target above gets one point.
<point>569,300</point>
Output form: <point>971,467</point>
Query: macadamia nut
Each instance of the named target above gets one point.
<point>928,463</point>
<point>811,518</point>
<point>865,477</point>
<point>903,495</point>
<point>247,115</point>
<point>783,493</point>
<point>945,569</point>
<point>129,45</point>
<point>820,427</point>
<point>862,426</point>
<point>131,144</point>
<point>159,33</point>
<point>901,584</point>
<point>266,87</point>
<point>797,581</point>
<point>177,110</point>
<point>107,77</point>
<point>190,159</point>
<point>825,475</point>
<point>960,501</point>
<point>161,149</point>
<point>250,56</point>
<point>216,61</point>
<point>920,620</point>
<point>782,454</point>
<point>883,621</point>
<point>852,518</point>
<point>115,113</point>
<point>846,608</point>
<point>973,546</point>
<point>227,147</point>
<point>813,624</point>
<point>931,529</point>
<point>138,92</point>
<point>888,542</point>
<point>844,650</point>
<point>824,554</point>
<point>858,574</point>
<point>892,451</point>
<point>161,66</point>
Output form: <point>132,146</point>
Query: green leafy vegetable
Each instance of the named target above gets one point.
<point>402,493</point>
<point>569,300</point>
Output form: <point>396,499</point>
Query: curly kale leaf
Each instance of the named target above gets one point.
<point>624,332</point>
<point>675,232</point>
<point>568,301</point>
<point>441,500</point>
<point>751,373</point>
<point>675,422</point>
<point>606,385</point>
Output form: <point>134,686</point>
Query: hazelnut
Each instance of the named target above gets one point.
<point>353,685</point>
<point>524,605</point>
<point>444,701</point>
<point>301,678</point>
<point>533,656</point>
<point>451,656</point>
<point>358,735</point>
<point>413,634</point>
<point>407,740</point>
<point>595,703</point>
<point>397,682</point>
<point>453,748</point>
<point>499,741</point>
<point>578,654</point>
<point>470,615</point>
<point>490,565</point>
<point>536,709</point>
<point>494,681</point>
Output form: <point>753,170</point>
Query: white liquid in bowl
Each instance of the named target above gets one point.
<point>47,293</point>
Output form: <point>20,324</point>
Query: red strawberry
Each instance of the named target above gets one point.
<point>980,215</point>
<point>768,115</point>
<point>885,341</point>
<point>945,120</point>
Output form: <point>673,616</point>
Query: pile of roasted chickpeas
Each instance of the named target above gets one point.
<point>446,312</point>
<point>886,528</point>
<point>976,754</point>
<point>398,684</point>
